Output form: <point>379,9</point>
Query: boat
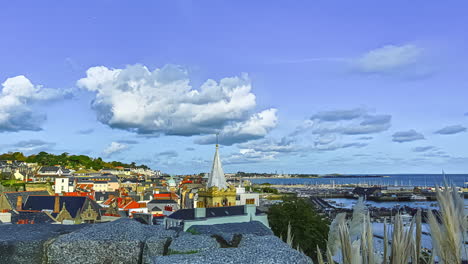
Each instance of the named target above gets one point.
<point>415,197</point>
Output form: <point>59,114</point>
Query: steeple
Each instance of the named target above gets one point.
<point>217,174</point>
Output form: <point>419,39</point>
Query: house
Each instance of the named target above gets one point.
<point>100,197</point>
<point>243,197</point>
<point>127,204</point>
<point>63,184</point>
<point>185,218</point>
<point>47,173</point>
<point>77,209</point>
<point>14,200</point>
<point>162,207</point>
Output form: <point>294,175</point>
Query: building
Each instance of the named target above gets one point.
<point>49,173</point>
<point>185,218</point>
<point>63,184</point>
<point>217,192</point>
<point>162,207</point>
<point>64,209</point>
<point>14,200</point>
<point>243,197</point>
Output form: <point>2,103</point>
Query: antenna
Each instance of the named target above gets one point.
<point>217,135</point>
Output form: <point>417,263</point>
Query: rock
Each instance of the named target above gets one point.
<point>254,227</point>
<point>252,249</point>
<point>187,242</point>
<point>27,243</point>
<point>121,241</point>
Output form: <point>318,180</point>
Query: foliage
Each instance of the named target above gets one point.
<point>175,252</point>
<point>307,228</point>
<point>68,161</point>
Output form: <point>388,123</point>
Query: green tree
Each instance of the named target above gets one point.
<point>308,228</point>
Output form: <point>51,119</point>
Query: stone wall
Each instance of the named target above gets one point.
<point>128,241</point>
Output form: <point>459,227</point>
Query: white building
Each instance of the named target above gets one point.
<point>243,198</point>
<point>62,184</point>
<point>186,218</point>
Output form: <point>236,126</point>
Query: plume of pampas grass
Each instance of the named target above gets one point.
<point>319,256</point>
<point>402,242</point>
<point>356,224</point>
<point>333,242</point>
<point>290,236</point>
<point>418,237</point>
<point>448,235</point>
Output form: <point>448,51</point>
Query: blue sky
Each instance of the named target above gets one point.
<point>316,87</point>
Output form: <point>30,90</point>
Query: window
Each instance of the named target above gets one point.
<point>250,201</point>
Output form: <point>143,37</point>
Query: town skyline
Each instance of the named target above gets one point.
<point>304,93</point>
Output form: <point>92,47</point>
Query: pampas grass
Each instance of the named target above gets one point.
<point>354,238</point>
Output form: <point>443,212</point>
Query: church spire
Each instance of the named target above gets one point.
<point>217,174</point>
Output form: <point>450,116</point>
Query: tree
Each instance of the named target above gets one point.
<point>308,228</point>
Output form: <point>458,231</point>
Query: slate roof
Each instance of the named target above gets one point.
<point>98,195</point>
<point>49,169</point>
<point>12,197</point>
<point>72,203</point>
<point>37,217</point>
<point>189,214</point>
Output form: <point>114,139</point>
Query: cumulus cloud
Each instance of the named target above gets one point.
<point>407,60</point>
<point>257,126</point>
<point>450,130</point>
<point>16,98</point>
<point>163,102</point>
<point>423,148</point>
<point>33,146</point>
<point>114,148</point>
<point>407,136</point>
<point>248,156</point>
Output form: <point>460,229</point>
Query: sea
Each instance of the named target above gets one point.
<point>460,180</point>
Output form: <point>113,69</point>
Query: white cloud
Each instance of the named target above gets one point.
<point>257,126</point>
<point>163,102</point>
<point>114,147</point>
<point>388,58</point>
<point>405,60</point>
<point>16,98</point>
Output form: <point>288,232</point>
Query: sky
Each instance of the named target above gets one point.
<point>296,87</point>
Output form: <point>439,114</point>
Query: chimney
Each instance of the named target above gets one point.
<point>200,212</point>
<point>19,203</point>
<point>57,204</point>
<point>250,209</point>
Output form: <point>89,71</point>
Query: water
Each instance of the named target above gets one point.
<point>399,179</point>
